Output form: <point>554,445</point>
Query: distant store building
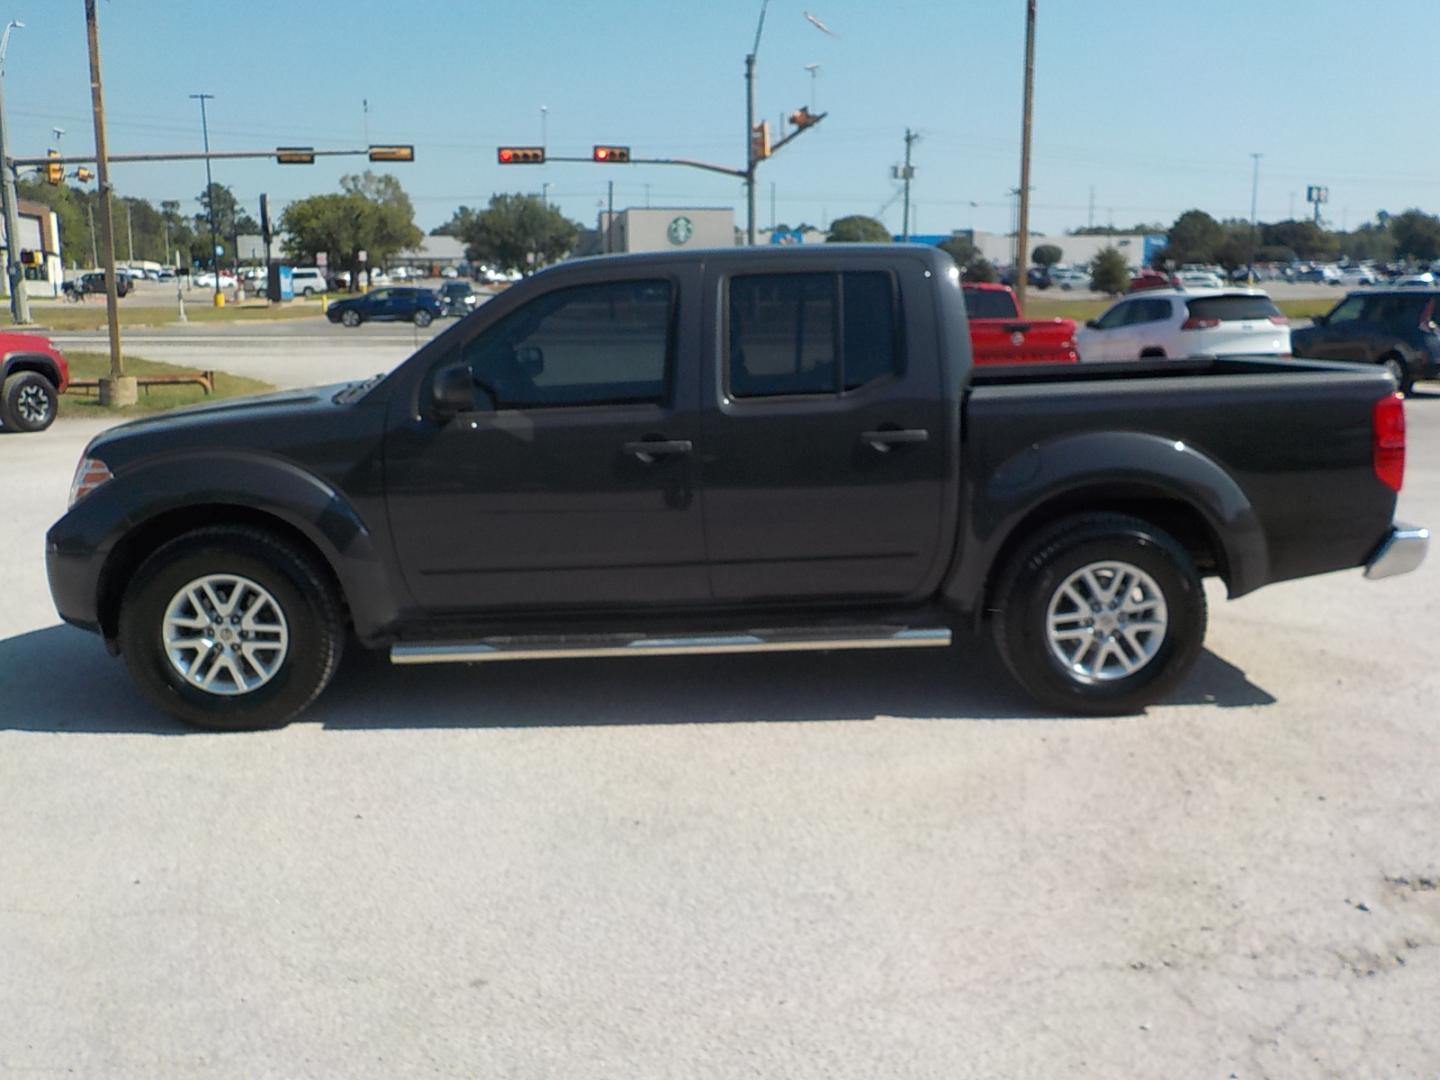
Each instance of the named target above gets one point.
<point>39,232</point>
<point>1137,248</point>
<point>676,228</point>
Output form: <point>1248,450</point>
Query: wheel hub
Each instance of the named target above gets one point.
<point>32,404</point>
<point>1106,621</point>
<point>225,634</point>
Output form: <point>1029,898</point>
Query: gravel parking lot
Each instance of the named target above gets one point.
<point>846,865</point>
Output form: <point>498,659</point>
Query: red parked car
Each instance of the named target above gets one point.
<point>999,334</point>
<point>1151,279</point>
<point>33,375</point>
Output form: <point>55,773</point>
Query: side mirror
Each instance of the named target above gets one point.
<point>531,359</point>
<point>1093,324</point>
<point>453,391</point>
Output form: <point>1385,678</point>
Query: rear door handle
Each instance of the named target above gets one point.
<point>886,440</point>
<point>648,451</point>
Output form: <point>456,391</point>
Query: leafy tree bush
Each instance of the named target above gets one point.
<point>1109,272</point>
<point>504,234</point>
<point>962,250</point>
<point>857,229</point>
<point>981,270</point>
<point>1046,255</point>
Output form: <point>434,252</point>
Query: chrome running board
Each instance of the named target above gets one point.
<point>572,646</point>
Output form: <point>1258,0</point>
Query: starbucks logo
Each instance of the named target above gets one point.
<point>680,231</point>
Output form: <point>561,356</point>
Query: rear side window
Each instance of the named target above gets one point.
<point>1233,308</point>
<point>1148,311</point>
<point>810,333</point>
<point>989,304</point>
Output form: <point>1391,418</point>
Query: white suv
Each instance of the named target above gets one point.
<point>308,281</point>
<point>1186,322</point>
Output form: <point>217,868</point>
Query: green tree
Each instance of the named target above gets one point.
<point>1194,238</point>
<point>231,220</point>
<point>372,214</point>
<point>1046,255</point>
<point>505,233</point>
<point>1305,238</point>
<point>962,249</point>
<point>982,270</point>
<point>857,229</point>
<point>1417,235</point>
<point>1373,240</point>
<point>1109,272</point>
<point>73,207</point>
<point>460,220</point>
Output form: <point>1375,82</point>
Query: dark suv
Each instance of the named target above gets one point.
<point>1394,327</point>
<point>419,306</point>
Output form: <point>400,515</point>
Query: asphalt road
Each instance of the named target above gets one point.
<point>854,865</point>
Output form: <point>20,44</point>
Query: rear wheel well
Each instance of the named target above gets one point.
<point>141,542</point>
<point>40,365</point>
<point>1180,519</point>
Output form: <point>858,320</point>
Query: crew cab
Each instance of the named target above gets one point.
<point>999,334</point>
<point>33,375</point>
<point>723,451</point>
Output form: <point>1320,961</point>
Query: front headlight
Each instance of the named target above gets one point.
<point>89,475</point>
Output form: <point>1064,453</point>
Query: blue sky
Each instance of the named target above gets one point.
<point>1155,105</point>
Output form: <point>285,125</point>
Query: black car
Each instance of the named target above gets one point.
<point>457,298</point>
<point>1394,327</point>
<point>94,283</point>
<point>419,306</point>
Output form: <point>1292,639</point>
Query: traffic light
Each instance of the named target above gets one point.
<point>295,155</point>
<point>520,155</point>
<point>611,155</point>
<point>803,117</point>
<point>54,171</point>
<point>84,175</point>
<point>392,153</point>
<point>760,140</point>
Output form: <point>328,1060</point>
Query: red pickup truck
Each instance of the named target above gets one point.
<point>32,376</point>
<point>999,334</point>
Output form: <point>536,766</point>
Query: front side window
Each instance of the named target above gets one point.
<point>810,333</point>
<point>1117,316</point>
<point>586,345</point>
<point>1347,311</point>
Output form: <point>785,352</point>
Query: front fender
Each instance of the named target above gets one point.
<point>1116,466</point>
<point>145,504</point>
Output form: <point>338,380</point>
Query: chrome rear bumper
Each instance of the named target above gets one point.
<point>1402,551</point>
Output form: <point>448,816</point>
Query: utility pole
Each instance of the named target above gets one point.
<point>1022,230</point>
<point>219,300</point>
<point>906,174</point>
<point>750,159</point>
<point>610,219</point>
<point>119,389</point>
<point>19,301</point>
<point>1254,225</point>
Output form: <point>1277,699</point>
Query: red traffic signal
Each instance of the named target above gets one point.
<point>520,155</point>
<point>611,155</point>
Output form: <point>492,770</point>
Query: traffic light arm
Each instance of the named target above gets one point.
<point>659,161</point>
<point>89,159</point>
<point>797,132</point>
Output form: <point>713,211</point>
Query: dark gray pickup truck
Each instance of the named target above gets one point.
<point>725,451</point>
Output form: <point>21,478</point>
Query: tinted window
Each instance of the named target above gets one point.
<point>869,313</point>
<point>1397,309</point>
<point>990,304</point>
<point>1149,311</point>
<point>783,333</point>
<point>588,345</point>
<point>1117,315</point>
<point>1233,308</point>
<point>1348,310</point>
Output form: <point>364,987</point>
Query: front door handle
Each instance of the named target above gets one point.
<point>648,451</point>
<point>885,440</point>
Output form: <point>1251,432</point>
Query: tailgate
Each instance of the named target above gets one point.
<point>1023,341</point>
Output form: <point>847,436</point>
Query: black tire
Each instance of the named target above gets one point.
<point>307,292</point>
<point>350,318</point>
<point>301,590</point>
<point>28,402</point>
<point>1399,371</point>
<point>423,318</point>
<point>1037,574</point>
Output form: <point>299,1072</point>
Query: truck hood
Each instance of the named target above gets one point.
<point>258,405</point>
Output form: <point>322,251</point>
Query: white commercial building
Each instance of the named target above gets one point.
<point>39,232</point>
<point>1137,248</point>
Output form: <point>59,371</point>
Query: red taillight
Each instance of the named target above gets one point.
<point>1279,320</point>
<point>1387,421</point>
<point>1193,323</point>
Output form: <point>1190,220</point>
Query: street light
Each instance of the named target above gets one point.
<point>219,300</point>
<point>813,69</point>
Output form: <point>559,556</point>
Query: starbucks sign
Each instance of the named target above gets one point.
<point>680,231</point>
